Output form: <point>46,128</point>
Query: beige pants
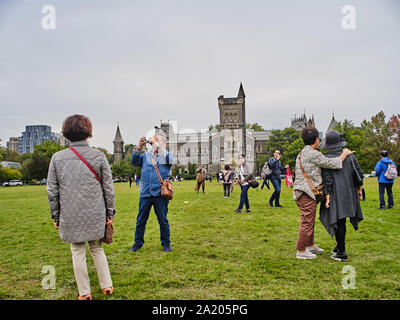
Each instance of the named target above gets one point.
<point>80,268</point>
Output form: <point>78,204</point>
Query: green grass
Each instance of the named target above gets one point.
<point>217,254</point>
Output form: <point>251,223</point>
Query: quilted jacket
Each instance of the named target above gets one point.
<point>77,200</point>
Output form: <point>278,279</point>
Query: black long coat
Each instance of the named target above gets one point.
<point>344,202</point>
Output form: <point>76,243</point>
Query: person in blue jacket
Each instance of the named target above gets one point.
<point>150,189</point>
<point>384,183</point>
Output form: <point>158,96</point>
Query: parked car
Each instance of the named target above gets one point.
<point>120,180</point>
<point>13,183</point>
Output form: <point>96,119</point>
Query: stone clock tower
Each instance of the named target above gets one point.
<point>232,115</point>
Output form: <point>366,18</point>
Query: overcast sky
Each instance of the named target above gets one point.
<point>139,62</point>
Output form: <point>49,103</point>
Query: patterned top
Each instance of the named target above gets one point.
<point>312,161</point>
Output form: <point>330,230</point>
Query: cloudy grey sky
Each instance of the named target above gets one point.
<point>139,62</point>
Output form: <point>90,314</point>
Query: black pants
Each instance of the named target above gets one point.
<point>388,187</point>
<point>340,235</point>
<point>198,186</point>
<point>227,189</point>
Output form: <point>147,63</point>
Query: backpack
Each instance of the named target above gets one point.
<point>266,171</point>
<point>391,172</point>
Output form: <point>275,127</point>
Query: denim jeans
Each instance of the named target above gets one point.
<point>161,210</point>
<point>388,187</point>
<point>227,189</point>
<point>244,199</point>
<point>265,183</point>
<point>276,182</point>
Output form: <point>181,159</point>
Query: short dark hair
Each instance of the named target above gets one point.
<point>309,135</point>
<point>384,153</point>
<point>227,167</point>
<point>77,128</point>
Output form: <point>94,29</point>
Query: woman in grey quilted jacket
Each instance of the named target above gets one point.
<point>81,204</point>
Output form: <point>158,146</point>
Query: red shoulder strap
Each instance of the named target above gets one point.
<point>87,164</point>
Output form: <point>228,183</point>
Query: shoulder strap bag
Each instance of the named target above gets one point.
<point>167,189</point>
<point>109,229</point>
<point>318,191</point>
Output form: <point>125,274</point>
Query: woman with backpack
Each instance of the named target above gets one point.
<point>226,180</point>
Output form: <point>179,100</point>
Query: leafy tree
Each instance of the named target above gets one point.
<point>292,151</point>
<point>7,174</point>
<point>122,169</point>
<point>377,138</point>
<point>38,167</point>
<point>176,169</point>
<point>48,148</point>
<point>255,126</point>
<point>261,159</point>
<point>280,140</point>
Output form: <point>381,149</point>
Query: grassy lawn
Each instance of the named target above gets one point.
<point>217,254</point>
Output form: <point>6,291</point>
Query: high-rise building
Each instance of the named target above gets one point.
<point>12,144</point>
<point>34,135</point>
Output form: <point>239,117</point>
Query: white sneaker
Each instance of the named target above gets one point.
<point>305,255</point>
<point>315,250</point>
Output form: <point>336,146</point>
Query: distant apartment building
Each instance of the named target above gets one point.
<point>12,144</point>
<point>34,135</point>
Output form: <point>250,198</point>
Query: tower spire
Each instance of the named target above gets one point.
<point>241,93</point>
<point>118,136</point>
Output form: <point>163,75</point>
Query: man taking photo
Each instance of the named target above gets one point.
<point>150,189</point>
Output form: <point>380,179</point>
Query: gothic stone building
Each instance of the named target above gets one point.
<point>212,149</point>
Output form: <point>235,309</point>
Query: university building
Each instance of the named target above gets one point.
<point>212,149</point>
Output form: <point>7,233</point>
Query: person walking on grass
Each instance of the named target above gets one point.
<point>275,165</point>
<point>308,171</point>
<point>386,172</point>
<point>150,189</point>
<point>226,180</point>
<point>81,197</point>
<point>200,181</point>
<point>244,176</point>
<point>343,190</point>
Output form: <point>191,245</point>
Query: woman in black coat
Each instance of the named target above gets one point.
<point>343,190</point>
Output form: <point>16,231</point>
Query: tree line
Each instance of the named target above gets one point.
<point>366,140</point>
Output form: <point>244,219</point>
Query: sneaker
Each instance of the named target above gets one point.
<point>86,297</point>
<point>278,205</point>
<point>167,248</point>
<point>248,210</point>
<point>108,291</point>
<point>390,207</point>
<point>238,211</point>
<point>315,250</point>
<point>340,256</point>
<point>336,250</point>
<point>305,255</point>
<point>270,204</point>
<point>134,248</point>
<point>382,208</point>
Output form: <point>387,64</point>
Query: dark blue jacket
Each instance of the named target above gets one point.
<point>381,168</point>
<point>150,185</point>
<point>276,167</point>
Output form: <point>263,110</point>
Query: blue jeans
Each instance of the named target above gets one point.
<point>388,187</point>
<point>227,190</point>
<point>265,183</point>
<point>161,210</point>
<point>276,182</point>
<point>244,199</point>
